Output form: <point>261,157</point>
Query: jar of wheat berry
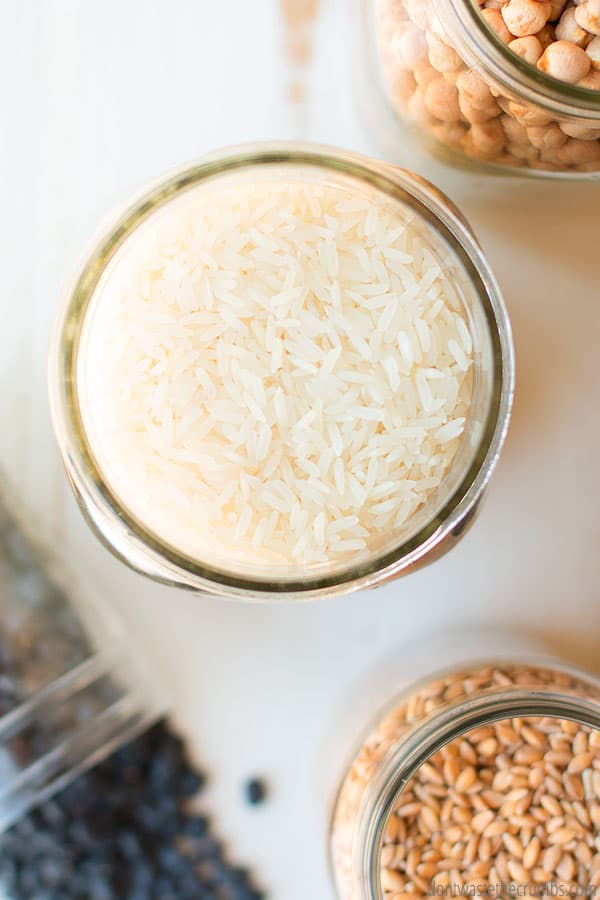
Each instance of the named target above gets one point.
<point>480,781</point>
<point>507,86</point>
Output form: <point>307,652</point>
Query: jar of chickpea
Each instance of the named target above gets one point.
<point>482,780</point>
<point>496,85</point>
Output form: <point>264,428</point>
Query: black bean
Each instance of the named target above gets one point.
<point>52,872</point>
<point>128,844</point>
<point>25,829</point>
<point>100,890</point>
<point>164,889</point>
<point>195,826</point>
<point>8,874</point>
<point>256,791</point>
<point>169,859</point>
<point>79,835</point>
<point>52,814</point>
<point>28,882</point>
<point>141,877</point>
<point>190,783</point>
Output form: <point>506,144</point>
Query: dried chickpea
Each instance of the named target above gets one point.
<point>593,51</point>
<point>525,152</point>
<point>468,147</point>
<point>523,17</point>
<point>528,48</point>
<point>504,104</point>
<point>528,115</point>
<point>567,29</point>
<point>402,85</point>
<point>389,15</point>
<point>547,138</point>
<point>581,132</point>
<point>409,45</point>
<point>417,109</point>
<point>451,77</point>
<point>441,100</point>
<point>551,157</point>
<point>575,152</point>
<point>588,16</point>
<point>591,81</point>
<point>514,131</point>
<point>565,61</point>
<point>488,138</point>
<point>451,133</point>
<point>442,57</point>
<point>475,91</point>
<point>424,74</point>
<point>419,13</point>
<point>493,18</point>
<point>473,114</point>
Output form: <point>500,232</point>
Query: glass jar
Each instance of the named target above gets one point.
<point>445,515</point>
<point>444,75</point>
<point>71,689</point>
<point>426,718</point>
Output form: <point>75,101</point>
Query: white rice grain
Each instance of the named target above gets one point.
<point>277,372</point>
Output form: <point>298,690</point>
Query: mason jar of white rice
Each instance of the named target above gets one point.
<point>283,371</point>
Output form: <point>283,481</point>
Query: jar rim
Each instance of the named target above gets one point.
<point>95,495</point>
<point>467,27</point>
<point>453,720</point>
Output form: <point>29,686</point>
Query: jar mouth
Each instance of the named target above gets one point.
<point>483,47</point>
<point>453,721</point>
<point>88,479</point>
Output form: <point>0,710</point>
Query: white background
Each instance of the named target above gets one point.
<point>95,97</point>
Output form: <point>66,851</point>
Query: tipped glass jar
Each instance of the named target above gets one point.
<point>478,781</point>
<point>282,371</point>
<point>71,689</point>
<point>448,75</point>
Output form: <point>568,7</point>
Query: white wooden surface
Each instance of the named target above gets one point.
<point>94,99</point>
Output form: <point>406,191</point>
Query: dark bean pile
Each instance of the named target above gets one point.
<point>123,831</point>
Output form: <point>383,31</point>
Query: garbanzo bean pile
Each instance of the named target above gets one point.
<point>430,85</point>
<point>559,37</point>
